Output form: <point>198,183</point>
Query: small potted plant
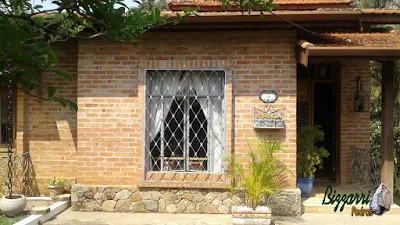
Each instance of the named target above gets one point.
<point>264,178</point>
<point>309,157</point>
<point>56,187</point>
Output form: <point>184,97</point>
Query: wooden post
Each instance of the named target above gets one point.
<point>387,125</point>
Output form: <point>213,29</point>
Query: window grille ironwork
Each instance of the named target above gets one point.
<point>184,126</point>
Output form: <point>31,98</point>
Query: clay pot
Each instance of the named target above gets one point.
<point>12,206</point>
<point>55,191</point>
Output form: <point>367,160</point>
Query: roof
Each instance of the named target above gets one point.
<point>353,44</point>
<point>214,5</point>
<point>377,39</point>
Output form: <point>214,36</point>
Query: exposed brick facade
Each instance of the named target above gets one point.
<point>102,144</point>
<point>354,126</point>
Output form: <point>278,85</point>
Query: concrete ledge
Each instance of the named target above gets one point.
<point>55,209</point>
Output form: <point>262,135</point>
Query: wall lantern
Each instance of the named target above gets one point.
<point>268,96</point>
<point>359,105</point>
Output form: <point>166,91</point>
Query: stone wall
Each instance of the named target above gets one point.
<point>131,199</point>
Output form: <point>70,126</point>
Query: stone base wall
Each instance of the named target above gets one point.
<point>132,199</point>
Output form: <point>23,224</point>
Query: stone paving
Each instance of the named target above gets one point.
<point>101,218</point>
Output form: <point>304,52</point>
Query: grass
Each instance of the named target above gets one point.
<point>9,221</point>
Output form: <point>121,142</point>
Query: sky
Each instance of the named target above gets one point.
<point>48,5</point>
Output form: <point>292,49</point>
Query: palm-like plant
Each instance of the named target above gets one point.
<point>264,177</point>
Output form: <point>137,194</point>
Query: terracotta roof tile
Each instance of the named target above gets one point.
<point>390,40</point>
<point>218,3</point>
<point>173,4</point>
<point>380,11</point>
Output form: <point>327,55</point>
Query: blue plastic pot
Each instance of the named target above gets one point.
<point>305,185</point>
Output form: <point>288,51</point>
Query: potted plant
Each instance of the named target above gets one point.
<point>263,178</point>
<point>56,187</point>
<point>309,157</point>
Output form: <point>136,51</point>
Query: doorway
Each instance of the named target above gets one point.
<point>317,105</point>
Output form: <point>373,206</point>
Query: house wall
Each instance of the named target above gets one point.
<point>354,126</point>
<point>102,144</point>
<point>47,130</point>
<point>110,94</point>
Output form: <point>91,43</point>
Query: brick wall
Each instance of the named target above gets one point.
<point>354,126</point>
<point>47,130</point>
<point>110,94</point>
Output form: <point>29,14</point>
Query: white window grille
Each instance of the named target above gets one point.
<point>184,121</point>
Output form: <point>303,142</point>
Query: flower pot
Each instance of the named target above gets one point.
<point>246,215</point>
<point>55,191</point>
<point>305,185</point>
<point>12,206</point>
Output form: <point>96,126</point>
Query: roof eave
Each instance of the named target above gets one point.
<point>354,51</point>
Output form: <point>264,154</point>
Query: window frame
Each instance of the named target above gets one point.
<point>144,116</point>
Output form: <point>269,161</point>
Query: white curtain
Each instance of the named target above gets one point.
<point>163,84</point>
<point>206,85</point>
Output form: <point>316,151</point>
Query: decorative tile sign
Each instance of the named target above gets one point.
<point>268,118</point>
<point>268,96</point>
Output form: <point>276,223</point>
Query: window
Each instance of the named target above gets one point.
<point>3,121</point>
<point>184,120</point>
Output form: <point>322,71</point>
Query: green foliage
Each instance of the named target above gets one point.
<point>4,220</point>
<point>56,182</point>
<point>266,175</point>
<point>309,154</point>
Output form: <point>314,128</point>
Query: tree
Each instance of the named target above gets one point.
<point>27,32</point>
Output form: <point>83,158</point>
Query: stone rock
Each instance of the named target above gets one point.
<point>79,187</point>
<point>81,199</point>
<point>76,206</point>
<point>90,205</point>
<point>116,189</point>
<point>132,189</point>
<point>63,197</point>
<point>210,208</point>
<point>80,193</point>
<point>222,196</point>
<point>40,210</point>
<point>74,198</point>
<point>100,189</point>
<point>88,195</point>
<point>210,197</point>
<point>150,205</point>
<point>198,196</point>
<point>108,205</point>
<point>138,207</point>
<point>191,208</point>
<point>161,206</point>
<point>136,197</point>
<point>227,202</point>
<point>122,195</point>
<point>155,195</point>
<point>216,202</point>
<point>171,208</point>
<point>168,197</point>
<point>223,209</point>
<point>93,189</point>
<point>188,196</point>
<point>99,196</point>
<point>109,194</point>
<point>182,205</point>
<point>237,200</point>
<point>146,195</point>
<point>201,207</point>
<point>123,206</point>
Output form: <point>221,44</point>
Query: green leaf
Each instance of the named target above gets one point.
<point>64,75</point>
<point>38,7</point>
<point>51,91</point>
